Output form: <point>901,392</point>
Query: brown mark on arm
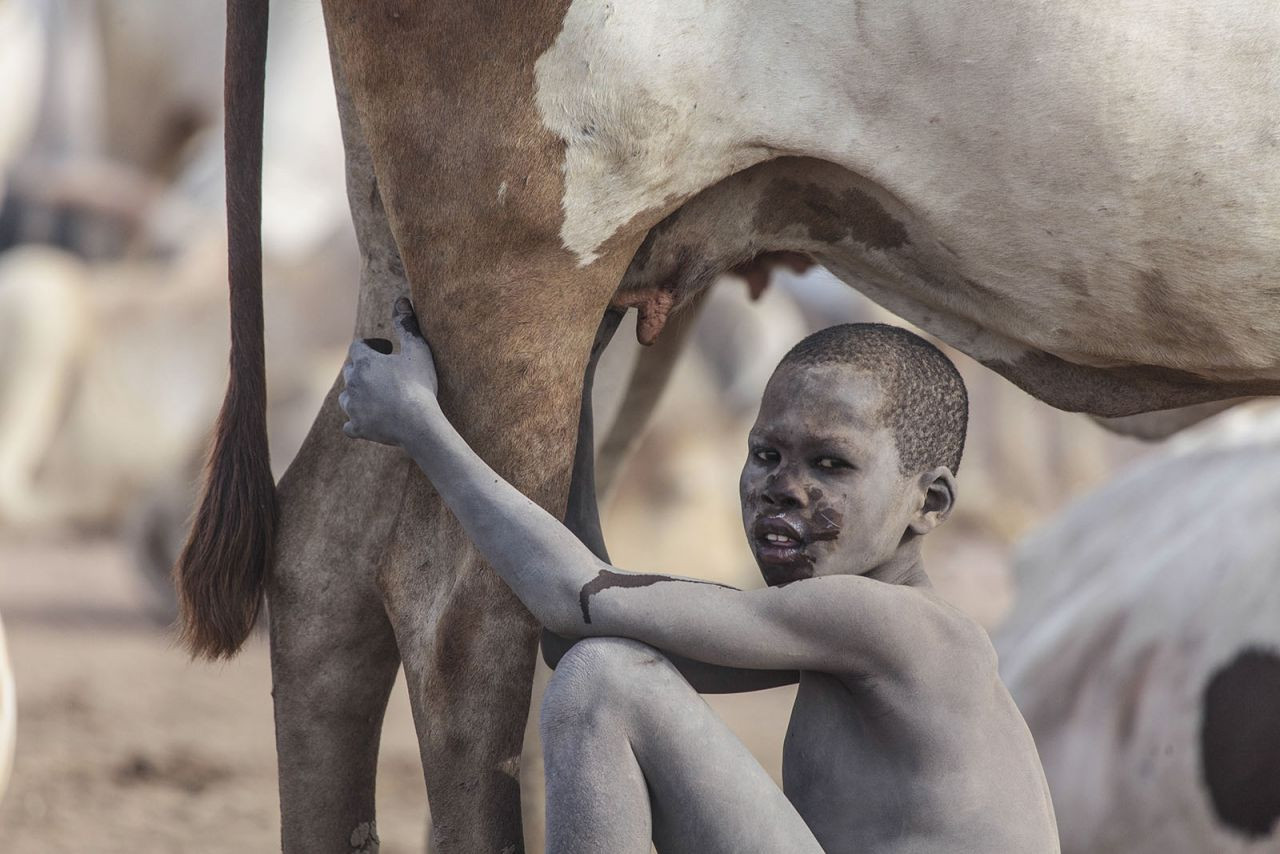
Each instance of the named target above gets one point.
<point>607,578</point>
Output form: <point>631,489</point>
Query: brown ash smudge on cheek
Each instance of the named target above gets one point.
<point>825,524</point>
<point>826,521</point>
<point>606,579</point>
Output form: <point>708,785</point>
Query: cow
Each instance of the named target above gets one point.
<point>1081,196</point>
<point>1144,650</point>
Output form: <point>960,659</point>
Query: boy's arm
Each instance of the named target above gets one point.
<point>702,677</point>
<point>833,624</point>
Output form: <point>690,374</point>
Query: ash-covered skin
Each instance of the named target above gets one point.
<point>822,491</point>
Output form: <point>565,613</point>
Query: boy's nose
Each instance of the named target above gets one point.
<point>782,491</point>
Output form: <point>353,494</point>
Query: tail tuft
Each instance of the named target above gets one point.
<point>222,572</point>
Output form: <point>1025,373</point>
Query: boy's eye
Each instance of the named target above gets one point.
<point>765,455</point>
<point>831,463</point>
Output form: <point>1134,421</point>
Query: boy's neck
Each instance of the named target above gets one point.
<point>906,567</point>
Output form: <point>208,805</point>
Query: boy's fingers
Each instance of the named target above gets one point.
<point>360,352</point>
<point>406,321</point>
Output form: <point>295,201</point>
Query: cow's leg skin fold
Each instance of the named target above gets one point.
<point>333,654</point>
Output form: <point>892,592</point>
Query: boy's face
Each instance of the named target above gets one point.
<point>821,490</point>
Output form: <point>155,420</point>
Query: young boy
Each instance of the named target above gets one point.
<point>902,738</point>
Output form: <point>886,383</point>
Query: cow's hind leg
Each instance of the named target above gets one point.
<point>333,654</point>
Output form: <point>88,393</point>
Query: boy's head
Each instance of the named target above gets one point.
<point>854,452</point>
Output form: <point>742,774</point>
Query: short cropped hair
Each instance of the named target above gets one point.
<point>926,405</point>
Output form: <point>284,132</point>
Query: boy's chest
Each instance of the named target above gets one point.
<point>850,765</point>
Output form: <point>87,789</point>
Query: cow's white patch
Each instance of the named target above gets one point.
<point>1121,212</point>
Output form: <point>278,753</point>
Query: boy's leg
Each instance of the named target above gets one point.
<point>633,753</point>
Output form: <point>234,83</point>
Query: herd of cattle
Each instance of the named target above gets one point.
<point>1144,645</point>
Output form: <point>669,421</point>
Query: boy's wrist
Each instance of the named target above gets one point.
<point>423,418</point>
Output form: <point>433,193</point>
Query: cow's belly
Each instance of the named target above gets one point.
<point>1034,188</point>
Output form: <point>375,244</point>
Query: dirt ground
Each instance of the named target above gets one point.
<point>126,746</point>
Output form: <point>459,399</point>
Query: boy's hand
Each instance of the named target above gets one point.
<point>384,392</point>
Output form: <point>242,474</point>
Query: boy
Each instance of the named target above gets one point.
<point>902,739</point>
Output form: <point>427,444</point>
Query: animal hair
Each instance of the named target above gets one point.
<point>223,569</point>
<point>926,404</point>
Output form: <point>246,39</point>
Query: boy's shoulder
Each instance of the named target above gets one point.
<point>915,626</point>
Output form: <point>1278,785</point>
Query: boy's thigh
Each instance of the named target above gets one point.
<point>707,791</point>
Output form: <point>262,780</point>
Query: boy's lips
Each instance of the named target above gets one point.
<point>778,540</point>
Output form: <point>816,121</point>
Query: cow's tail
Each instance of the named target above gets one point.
<point>223,568</point>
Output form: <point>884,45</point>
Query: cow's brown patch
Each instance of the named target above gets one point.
<point>829,215</point>
<point>1240,742</point>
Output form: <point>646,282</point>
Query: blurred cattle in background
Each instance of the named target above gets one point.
<point>119,152</point>
<point>125,93</point>
<point>113,311</point>
<point>1144,650</point>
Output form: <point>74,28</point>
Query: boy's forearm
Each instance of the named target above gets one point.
<point>535,554</point>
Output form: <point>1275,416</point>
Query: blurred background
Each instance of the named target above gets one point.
<point>113,338</point>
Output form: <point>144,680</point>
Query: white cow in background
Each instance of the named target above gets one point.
<point>1144,650</point>
<point>110,126</point>
<point>111,364</point>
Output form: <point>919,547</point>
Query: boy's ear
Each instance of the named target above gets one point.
<point>938,492</point>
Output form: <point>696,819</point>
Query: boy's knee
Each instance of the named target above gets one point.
<point>602,677</point>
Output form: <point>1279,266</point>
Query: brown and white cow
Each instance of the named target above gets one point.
<point>1082,196</point>
<point>1144,650</point>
